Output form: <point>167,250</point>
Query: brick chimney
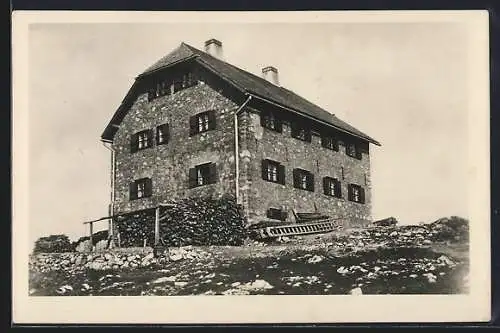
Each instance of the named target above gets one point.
<point>270,73</point>
<point>214,48</point>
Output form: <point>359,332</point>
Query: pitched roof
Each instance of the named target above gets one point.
<point>256,86</point>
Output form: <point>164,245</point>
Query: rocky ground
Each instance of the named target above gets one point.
<point>424,259</point>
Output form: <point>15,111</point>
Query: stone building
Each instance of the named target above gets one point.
<point>193,124</point>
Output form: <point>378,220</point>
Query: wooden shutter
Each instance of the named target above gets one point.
<point>326,187</point>
<point>359,155</point>
<point>362,195</point>
<point>293,129</point>
<point>148,187</point>
<point>134,143</point>
<point>212,173</point>
<point>338,188</point>
<point>310,182</point>
<point>349,192</point>
<point>262,119</point>
<point>149,134</point>
<point>296,178</point>
<point>192,177</point>
<point>279,125</point>
<point>281,174</point>
<point>211,120</point>
<point>324,139</point>
<point>308,135</point>
<point>265,164</point>
<point>193,125</point>
<point>132,190</point>
<point>284,215</point>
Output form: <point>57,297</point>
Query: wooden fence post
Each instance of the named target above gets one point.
<point>157,226</point>
<point>91,234</point>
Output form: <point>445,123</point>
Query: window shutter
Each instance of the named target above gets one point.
<point>281,174</point>
<point>296,175</point>
<point>293,129</point>
<point>310,182</point>
<point>211,120</point>
<point>212,173</point>
<point>150,137</point>
<point>148,187</point>
<point>192,177</point>
<point>362,195</point>
<point>338,188</point>
<point>193,125</point>
<point>279,125</point>
<point>134,143</point>
<point>358,152</point>
<point>335,144</point>
<point>326,188</point>
<point>262,119</point>
<point>132,191</point>
<point>308,135</point>
<point>323,141</point>
<point>284,215</point>
<point>264,169</point>
<point>349,192</point>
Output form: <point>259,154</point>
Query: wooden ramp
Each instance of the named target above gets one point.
<point>296,229</point>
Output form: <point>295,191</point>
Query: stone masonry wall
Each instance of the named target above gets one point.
<point>294,153</point>
<point>168,165</point>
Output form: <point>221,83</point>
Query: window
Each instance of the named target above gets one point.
<point>140,188</point>
<point>276,214</point>
<point>273,171</point>
<point>303,179</point>
<point>203,174</point>
<point>356,193</point>
<point>332,187</point>
<point>162,134</point>
<point>351,149</point>
<point>141,140</point>
<point>300,132</point>
<point>270,121</point>
<point>172,85</point>
<point>202,122</point>
<point>329,142</point>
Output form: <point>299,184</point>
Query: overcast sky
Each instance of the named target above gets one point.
<point>404,84</point>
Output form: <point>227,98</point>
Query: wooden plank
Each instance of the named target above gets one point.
<point>157,226</point>
<point>91,234</point>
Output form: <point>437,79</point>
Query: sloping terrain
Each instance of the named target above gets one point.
<point>424,259</point>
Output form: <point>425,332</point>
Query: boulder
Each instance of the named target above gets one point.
<point>84,246</point>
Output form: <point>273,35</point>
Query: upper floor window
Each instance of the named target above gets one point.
<point>140,188</point>
<point>172,85</point>
<point>351,149</point>
<point>141,140</point>
<point>301,132</point>
<point>202,122</point>
<point>332,187</point>
<point>270,121</point>
<point>203,174</point>
<point>356,193</point>
<point>303,179</point>
<point>162,134</point>
<point>330,142</point>
<point>273,171</point>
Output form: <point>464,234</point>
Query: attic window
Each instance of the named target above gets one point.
<point>172,85</point>
<point>301,132</point>
<point>276,214</point>
<point>329,142</point>
<point>352,150</point>
<point>270,121</point>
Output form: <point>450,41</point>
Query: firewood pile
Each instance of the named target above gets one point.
<point>203,221</point>
<point>137,230</point>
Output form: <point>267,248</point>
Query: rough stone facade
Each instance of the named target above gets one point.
<point>168,164</point>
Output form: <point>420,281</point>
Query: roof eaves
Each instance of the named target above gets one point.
<point>166,66</point>
<point>366,137</point>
